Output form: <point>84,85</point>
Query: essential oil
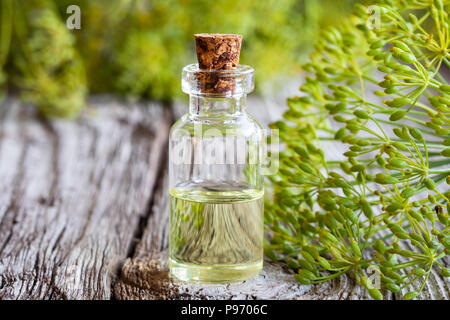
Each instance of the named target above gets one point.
<point>216,233</point>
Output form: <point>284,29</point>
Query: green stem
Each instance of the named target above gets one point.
<point>5,30</point>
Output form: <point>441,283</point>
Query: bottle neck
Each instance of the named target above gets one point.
<point>213,107</point>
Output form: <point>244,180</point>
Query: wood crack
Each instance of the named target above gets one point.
<point>55,160</point>
<point>143,219</point>
<point>13,208</point>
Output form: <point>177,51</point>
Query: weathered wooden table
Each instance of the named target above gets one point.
<point>84,215</point>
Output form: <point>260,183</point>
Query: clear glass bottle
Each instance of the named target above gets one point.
<point>216,187</point>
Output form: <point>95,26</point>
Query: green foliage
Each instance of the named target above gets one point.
<point>145,44</point>
<point>384,203</point>
<point>43,61</point>
<point>138,47</point>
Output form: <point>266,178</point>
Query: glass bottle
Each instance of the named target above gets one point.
<point>216,187</point>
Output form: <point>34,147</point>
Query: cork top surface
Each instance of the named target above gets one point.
<point>218,35</point>
<point>216,51</point>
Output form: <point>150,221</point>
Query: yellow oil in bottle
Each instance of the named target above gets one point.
<point>216,233</point>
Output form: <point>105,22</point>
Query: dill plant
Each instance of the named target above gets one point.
<point>381,93</point>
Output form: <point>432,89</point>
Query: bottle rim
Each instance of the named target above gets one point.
<point>240,80</point>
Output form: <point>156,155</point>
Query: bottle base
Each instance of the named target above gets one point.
<point>214,273</point>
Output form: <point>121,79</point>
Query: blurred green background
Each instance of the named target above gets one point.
<point>137,48</point>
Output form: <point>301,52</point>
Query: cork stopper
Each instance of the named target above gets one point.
<point>217,52</point>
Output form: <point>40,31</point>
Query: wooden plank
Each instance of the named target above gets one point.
<point>72,194</point>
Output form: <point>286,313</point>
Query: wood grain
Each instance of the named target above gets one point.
<point>72,195</point>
